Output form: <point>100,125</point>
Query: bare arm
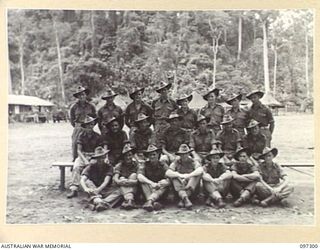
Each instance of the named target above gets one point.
<point>80,154</point>
<point>106,181</point>
<point>173,174</point>
<point>198,171</point>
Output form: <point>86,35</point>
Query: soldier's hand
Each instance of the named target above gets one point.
<point>154,185</point>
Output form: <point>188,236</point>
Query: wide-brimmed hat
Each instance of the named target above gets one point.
<point>127,148</point>
<point>253,123</point>
<point>100,151</point>
<point>216,91</point>
<point>201,118</point>
<point>151,148</point>
<point>79,90</point>
<point>173,116</point>
<point>112,119</point>
<point>163,85</point>
<point>215,152</point>
<point>255,92</point>
<point>109,93</point>
<point>233,97</point>
<point>134,91</point>
<point>227,119</point>
<point>184,97</point>
<point>184,149</point>
<point>141,117</point>
<point>267,150</point>
<point>239,151</point>
<point>88,119</point>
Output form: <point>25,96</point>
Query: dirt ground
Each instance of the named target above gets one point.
<point>33,196</point>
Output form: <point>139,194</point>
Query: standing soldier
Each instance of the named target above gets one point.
<point>202,139</point>
<point>213,111</point>
<point>254,140</point>
<point>152,178</point>
<point>135,108</point>
<point>109,110</point>
<point>185,174</point>
<point>239,115</point>
<point>78,112</point>
<point>262,114</point>
<point>87,141</point>
<point>216,179</point>
<point>229,137</point>
<point>189,116</point>
<point>163,107</point>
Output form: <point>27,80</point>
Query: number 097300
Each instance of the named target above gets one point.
<point>308,245</point>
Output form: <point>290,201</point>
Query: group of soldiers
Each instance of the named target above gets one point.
<point>173,149</point>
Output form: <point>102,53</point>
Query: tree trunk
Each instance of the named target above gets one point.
<point>239,38</point>
<point>265,58</point>
<point>21,55</point>
<point>93,37</point>
<point>59,61</point>
<point>307,66</point>
<point>275,71</point>
<point>215,51</point>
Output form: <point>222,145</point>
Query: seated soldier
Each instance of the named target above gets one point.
<point>152,178</point>
<point>96,179</point>
<point>229,137</point>
<point>274,185</point>
<point>114,139</point>
<point>173,137</point>
<point>125,177</point>
<point>254,140</point>
<point>185,174</point>
<point>202,139</point>
<point>216,179</point>
<point>87,141</point>
<point>244,178</point>
<point>142,136</point>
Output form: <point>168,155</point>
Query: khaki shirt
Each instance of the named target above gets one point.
<point>215,115</point>
<point>172,138</point>
<point>189,119</point>
<point>106,112</point>
<point>271,175</point>
<point>80,110</point>
<point>131,113</point>
<point>202,142</point>
<point>243,168</point>
<point>241,118</point>
<point>215,171</point>
<point>163,108</point>
<point>255,143</point>
<point>142,139</point>
<point>229,139</point>
<point>153,171</point>
<point>125,170</point>
<point>184,167</point>
<point>262,114</point>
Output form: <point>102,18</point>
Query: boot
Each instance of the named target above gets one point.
<point>243,198</point>
<point>101,207</point>
<point>187,203</point>
<point>266,202</point>
<point>148,206</point>
<point>239,202</point>
<point>124,205</point>
<point>72,193</point>
<point>131,205</point>
<point>220,203</point>
<point>181,204</point>
<point>157,206</point>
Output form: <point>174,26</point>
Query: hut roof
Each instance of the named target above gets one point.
<point>270,101</point>
<point>28,101</point>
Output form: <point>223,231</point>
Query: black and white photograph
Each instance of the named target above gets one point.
<point>162,117</point>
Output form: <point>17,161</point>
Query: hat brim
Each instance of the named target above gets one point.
<point>260,94</point>
<point>189,98</point>
<point>133,150</point>
<point>236,154</point>
<point>87,91</point>
<point>100,155</point>
<point>274,151</point>
<point>164,87</point>
<point>114,119</point>
<point>170,119</point>
<point>207,119</point>
<point>249,127</point>
<point>224,123</point>
<point>146,152</point>
<point>136,122</point>
<point>108,96</point>
<point>181,153</point>
<point>239,97</point>
<point>220,155</point>
<point>95,120</point>
<point>215,91</point>
<point>131,95</point>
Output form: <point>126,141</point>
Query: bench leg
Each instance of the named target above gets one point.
<point>62,178</point>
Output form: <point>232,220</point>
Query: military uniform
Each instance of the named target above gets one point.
<point>105,113</point>
<point>229,139</point>
<point>236,187</point>
<point>131,113</point>
<point>189,119</point>
<point>162,109</point>
<point>241,119</point>
<point>272,177</point>
<point>78,112</point>
<point>263,115</point>
<point>115,143</point>
<point>202,142</point>
<point>214,115</point>
<point>89,140</point>
<point>254,143</point>
<point>141,139</point>
<point>155,172</point>
<point>172,138</point>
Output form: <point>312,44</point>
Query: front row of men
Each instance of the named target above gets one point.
<point>261,182</point>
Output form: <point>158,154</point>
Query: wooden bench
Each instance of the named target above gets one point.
<point>62,166</point>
